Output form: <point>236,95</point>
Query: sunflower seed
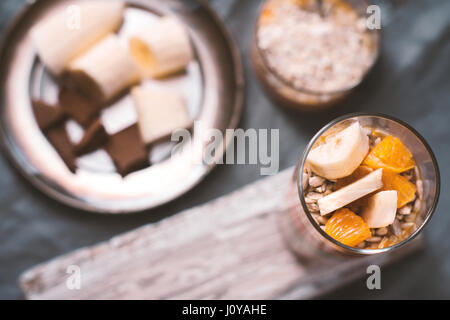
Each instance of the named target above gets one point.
<point>305,180</point>
<point>314,196</point>
<point>382,231</point>
<point>416,172</point>
<point>322,220</point>
<point>313,207</point>
<point>392,238</point>
<point>320,189</point>
<point>316,181</point>
<point>419,185</point>
<point>407,225</point>
<point>417,205</point>
<point>405,210</point>
<point>395,227</point>
<point>362,245</point>
<point>316,217</point>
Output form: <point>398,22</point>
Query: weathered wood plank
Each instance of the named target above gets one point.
<point>229,248</point>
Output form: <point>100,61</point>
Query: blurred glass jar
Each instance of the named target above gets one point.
<point>300,229</point>
<point>309,54</point>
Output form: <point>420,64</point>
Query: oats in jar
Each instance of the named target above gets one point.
<point>318,48</point>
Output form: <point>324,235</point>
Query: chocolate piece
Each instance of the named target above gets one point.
<point>82,109</point>
<point>94,137</point>
<point>127,150</point>
<point>47,116</point>
<point>58,137</point>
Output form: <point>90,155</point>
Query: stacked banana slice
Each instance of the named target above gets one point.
<point>352,192</point>
<point>159,112</point>
<point>381,209</point>
<point>105,70</point>
<point>338,157</point>
<point>162,49</point>
<point>79,42</point>
<point>72,30</point>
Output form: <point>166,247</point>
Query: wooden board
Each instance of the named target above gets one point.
<point>229,248</point>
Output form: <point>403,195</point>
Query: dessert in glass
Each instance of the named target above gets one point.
<point>310,54</point>
<point>366,184</point>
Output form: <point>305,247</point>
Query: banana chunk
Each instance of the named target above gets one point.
<point>159,113</point>
<point>381,209</point>
<point>358,189</point>
<point>105,70</point>
<point>71,30</point>
<point>341,153</point>
<point>162,49</point>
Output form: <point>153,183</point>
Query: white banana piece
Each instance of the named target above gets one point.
<point>381,209</point>
<point>341,153</point>
<point>358,189</point>
<point>105,70</point>
<point>160,112</point>
<point>74,28</point>
<point>162,49</point>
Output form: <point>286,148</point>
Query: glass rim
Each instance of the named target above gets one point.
<point>375,32</point>
<point>299,177</point>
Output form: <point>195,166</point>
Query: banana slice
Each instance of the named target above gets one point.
<point>160,112</point>
<point>380,209</point>
<point>105,70</point>
<point>162,49</point>
<point>341,153</point>
<point>358,189</point>
<point>73,29</point>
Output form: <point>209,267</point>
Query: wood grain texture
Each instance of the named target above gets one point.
<point>229,248</point>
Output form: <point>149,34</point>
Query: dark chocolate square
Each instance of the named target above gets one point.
<point>47,116</point>
<point>128,151</point>
<point>94,138</point>
<point>80,108</point>
<point>59,139</point>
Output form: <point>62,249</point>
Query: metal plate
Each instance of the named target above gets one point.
<point>212,86</point>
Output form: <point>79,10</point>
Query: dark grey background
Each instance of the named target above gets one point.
<point>411,81</point>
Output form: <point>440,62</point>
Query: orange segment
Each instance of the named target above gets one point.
<point>347,227</point>
<point>359,173</point>
<point>406,190</point>
<point>390,154</point>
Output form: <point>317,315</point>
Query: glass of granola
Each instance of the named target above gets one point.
<point>310,53</point>
<point>366,184</point>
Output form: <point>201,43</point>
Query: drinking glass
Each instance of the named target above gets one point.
<point>305,236</point>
